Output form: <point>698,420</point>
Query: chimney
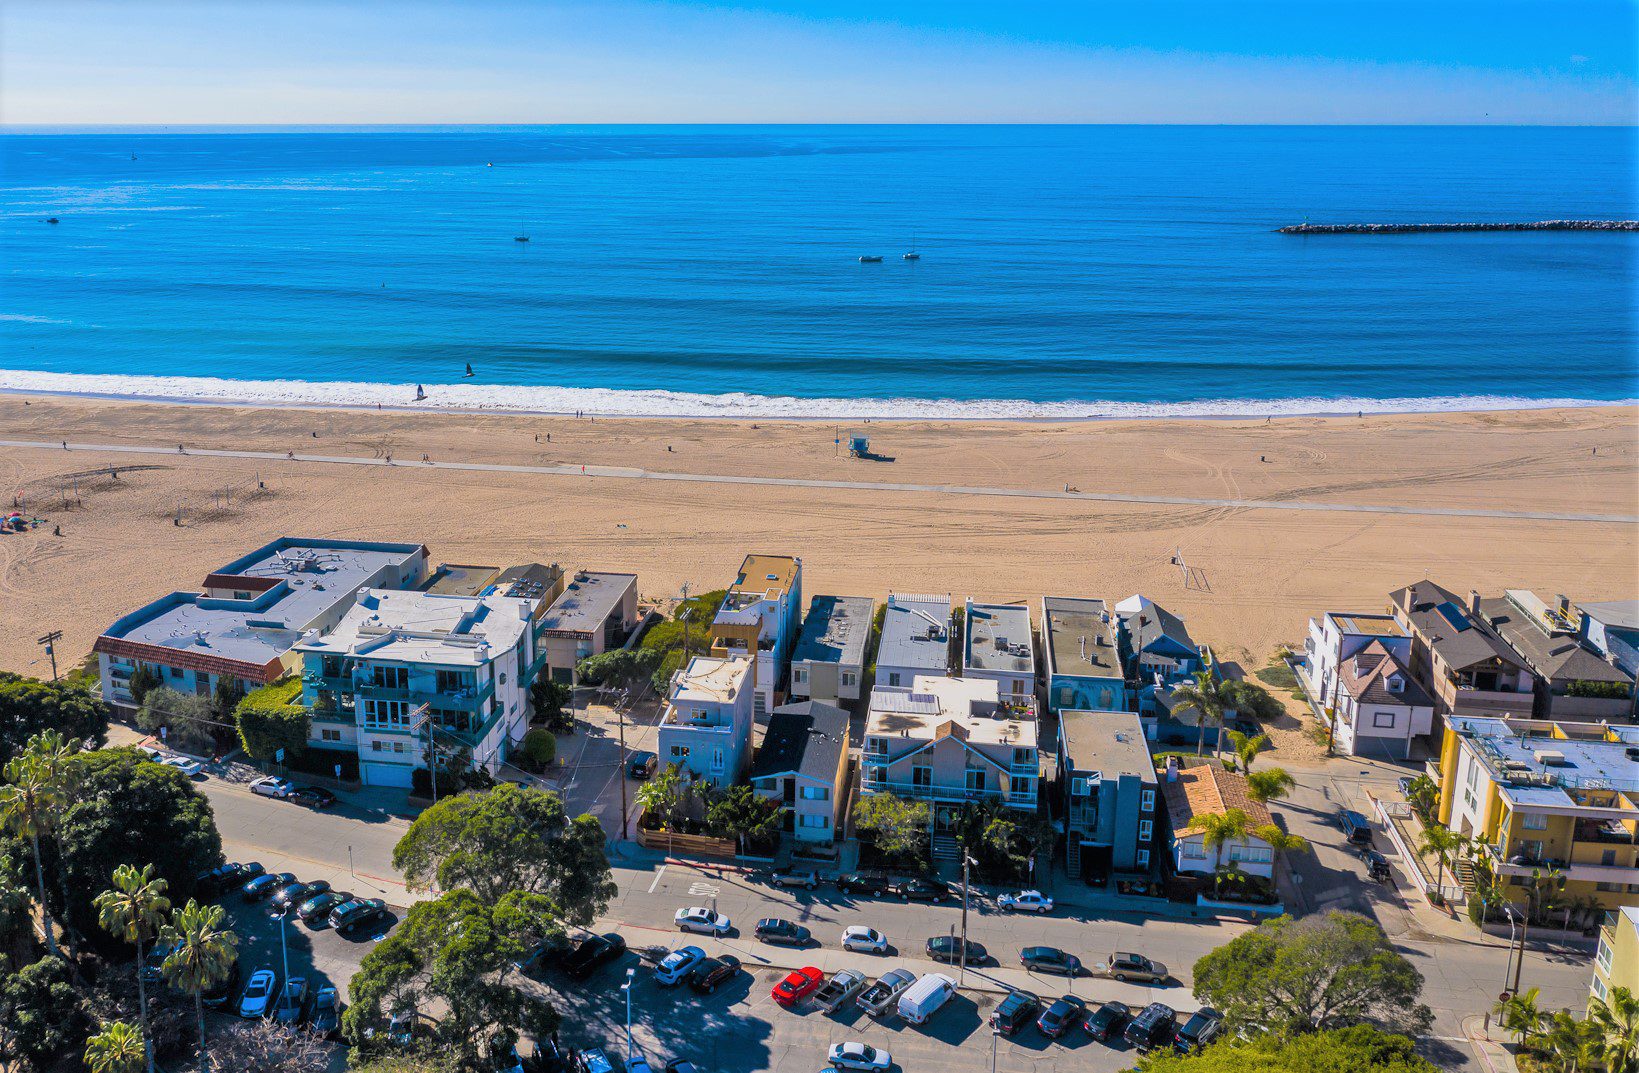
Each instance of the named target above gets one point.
<point>1564,604</point>
<point>1474,602</point>
<point>1172,769</point>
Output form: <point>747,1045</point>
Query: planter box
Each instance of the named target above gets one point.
<point>1274,910</point>
<point>696,845</point>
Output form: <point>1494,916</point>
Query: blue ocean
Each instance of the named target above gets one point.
<point>1062,271</point>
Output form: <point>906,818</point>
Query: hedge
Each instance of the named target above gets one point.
<point>272,718</point>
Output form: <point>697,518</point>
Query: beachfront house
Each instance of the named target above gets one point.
<point>1611,628</point>
<point>802,763</point>
<point>1107,784</point>
<point>949,741</point>
<point>1571,679</point>
<point>596,612</point>
<point>706,728</point>
<point>1082,648</point>
<point>1458,657</point>
<point>828,662</point>
<point>1159,647</point>
<point>247,617</point>
<point>408,675</point>
<point>1377,709</point>
<point>758,620</point>
<point>915,640</point>
<point>1335,637</point>
<point>998,644</point>
<point>1207,789</point>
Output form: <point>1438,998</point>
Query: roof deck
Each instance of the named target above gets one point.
<point>435,629</point>
<point>1080,637</point>
<point>1524,755</point>
<point>1107,743</point>
<point>973,704</point>
<point>998,639</point>
<point>762,577</point>
<point>916,633</point>
<point>1367,625</point>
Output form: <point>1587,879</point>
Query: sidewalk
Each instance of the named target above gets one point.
<point>1493,1055</point>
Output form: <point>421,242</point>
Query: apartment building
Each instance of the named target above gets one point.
<point>998,644</point>
<point>1106,778</point>
<point>828,662</point>
<point>802,763</point>
<point>596,612</point>
<point>247,617</point>
<point>1458,657</point>
<point>1616,959</point>
<point>759,620</point>
<point>915,640</point>
<point>1571,680</point>
<point>1081,643</point>
<point>1539,795</point>
<point>405,675</point>
<point>706,729</point>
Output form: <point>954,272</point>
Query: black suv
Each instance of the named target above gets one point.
<point>358,911</point>
<point>863,883</point>
<point>1153,1027</point>
<point>922,890</point>
<point>592,954</point>
<point>1107,1021</point>
<point>782,932</point>
<point>948,948</point>
<point>1203,1026</point>
<point>1018,1009</point>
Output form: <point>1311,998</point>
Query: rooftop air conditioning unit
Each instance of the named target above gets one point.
<point>1550,757</point>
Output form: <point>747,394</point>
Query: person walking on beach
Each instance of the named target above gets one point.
<point>65,445</point>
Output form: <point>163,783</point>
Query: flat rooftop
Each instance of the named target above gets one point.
<point>1110,743</point>
<point>934,700</point>
<point>294,583</point>
<point>1080,637</point>
<point>1547,642</point>
<point>1368,625</point>
<point>1526,757</point>
<point>401,626</point>
<point>587,602</point>
<point>998,638</point>
<point>835,631</point>
<point>459,579</point>
<point>916,633</point>
<point>709,680</point>
<point>762,577</point>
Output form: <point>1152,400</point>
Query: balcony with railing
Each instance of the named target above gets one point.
<point>919,791</point>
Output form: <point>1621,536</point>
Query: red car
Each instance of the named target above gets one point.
<point>798,985</point>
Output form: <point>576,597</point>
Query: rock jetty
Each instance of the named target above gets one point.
<point>1413,229</point>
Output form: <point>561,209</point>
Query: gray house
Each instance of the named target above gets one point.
<point>1107,779</point>
<point>803,764</point>
<point>829,660</point>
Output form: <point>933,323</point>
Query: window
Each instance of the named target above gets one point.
<point>1607,888</point>
<point>1251,854</point>
<point>1018,687</point>
<point>1143,858</point>
<point>1024,757</point>
<point>1019,786</point>
<point>875,776</point>
<point>175,672</point>
<point>848,678</point>
<point>329,735</point>
<point>816,793</point>
<point>680,752</point>
<point>375,746</point>
<point>1067,696</point>
<point>921,775</point>
<point>1604,954</point>
<point>1397,684</point>
<point>1078,787</point>
<point>893,678</point>
<point>1146,830</point>
<point>1194,851</point>
<point>1607,857</point>
<point>1146,801</point>
<point>876,746</point>
<point>801,675</point>
<point>450,682</point>
<point>1533,821</point>
<point>1383,720</point>
<point>1106,698</point>
<point>389,714</point>
<point>817,823</point>
<point>1598,988</point>
<point>1532,848</point>
<point>717,759</point>
<point>390,677</point>
<point>975,780</point>
<point>398,747</point>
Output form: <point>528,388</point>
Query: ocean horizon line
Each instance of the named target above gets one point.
<point>612,402</point>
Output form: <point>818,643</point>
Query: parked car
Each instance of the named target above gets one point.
<point>1357,830</point>
<point>312,796</point>
<point>863,1056</point>
<point>678,964</point>
<point>356,912</point>
<point>1377,867</point>
<point>948,949</point>
<point>264,885</point>
<point>185,764</point>
<point>591,954</point>
<point>701,921</point>
<point>922,999</point>
<point>841,987</point>
<point>782,932</point>
<point>1106,1022</point>
<point>1050,959</point>
<point>641,765</point>
<point>258,993</point>
<point>798,985</point>
<point>1026,901</point>
<point>864,883</point>
<point>1064,1014</point>
<point>593,1060</point>
<point>880,997</point>
<point>1202,1027</point>
<point>1124,967</point>
<point>219,994</point>
<point>863,940</point>
<point>1015,1011</point>
<point>795,877</point>
<point>154,959</point>
<point>324,1012</point>
<point>318,907</point>
<point>293,894</point>
<point>922,890</point>
<point>225,877</point>
<point>713,973</point>
<point>290,1005</point>
<point>272,787</point>
<point>1153,1027</point>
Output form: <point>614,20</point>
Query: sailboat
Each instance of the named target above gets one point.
<point>521,237</point>
<point>911,254</point>
<point>419,393</point>
<point>469,369</point>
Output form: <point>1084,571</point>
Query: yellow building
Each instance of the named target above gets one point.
<point>1555,800</point>
<point>1616,964</point>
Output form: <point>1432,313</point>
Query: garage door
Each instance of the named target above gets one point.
<point>385,775</point>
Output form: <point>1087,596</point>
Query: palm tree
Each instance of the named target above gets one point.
<point>659,796</point>
<point>1247,747</point>
<point>1217,829</point>
<point>202,957</point>
<point>118,1048</point>
<point>53,751</point>
<point>1521,1015</point>
<point>1207,696</point>
<point>1442,842</point>
<point>1265,786</point>
<point>1279,840</point>
<point>133,910</point>
<point>26,801</point>
<point>1567,1044</point>
<point>1614,1023</point>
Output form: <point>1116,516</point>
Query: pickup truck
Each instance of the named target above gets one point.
<point>841,987</point>
<point>878,999</point>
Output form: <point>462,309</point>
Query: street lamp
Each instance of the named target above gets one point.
<point>627,987</point>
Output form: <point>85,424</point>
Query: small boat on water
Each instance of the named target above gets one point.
<point>469,369</point>
<point>51,219</point>
<point>520,238</point>
<point>867,259</point>
<point>912,255</point>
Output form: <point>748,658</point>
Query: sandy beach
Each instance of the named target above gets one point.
<point>1257,573</point>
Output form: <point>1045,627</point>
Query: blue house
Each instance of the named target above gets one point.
<point>1158,652</point>
<point>1083,656</point>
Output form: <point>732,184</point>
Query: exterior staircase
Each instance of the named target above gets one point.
<point>1463,869</point>
<point>946,848</point>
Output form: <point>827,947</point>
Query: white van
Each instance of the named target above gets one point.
<point>923,998</point>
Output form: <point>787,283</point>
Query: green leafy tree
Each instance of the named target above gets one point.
<point>225,697</point>
<point>1358,1049</point>
<point>27,799</point>
<point>1566,1044</point>
<point>1423,795</point>
<point>549,699</point>
<point>1270,784</point>
<point>184,717</point>
<point>1442,844</point>
<point>1207,696</point>
<point>143,680</point>
<point>897,827</point>
<point>1321,972</point>
<point>1246,747</point>
<point>661,795</point>
<point>16,908</point>
<point>740,813</point>
<point>41,1014</point>
<point>510,839</point>
<point>273,718</point>
<point>119,1048</point>
<point>133,910</point>
<point>1279,840</point>
<point>539,748</point>
<point>1614,1026</point>
<point>1219,829</point>
<point>620,667</point>
<point>29,706</point>
<point>202,956</point>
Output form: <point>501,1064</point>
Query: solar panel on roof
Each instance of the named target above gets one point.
<point>1454,615</point>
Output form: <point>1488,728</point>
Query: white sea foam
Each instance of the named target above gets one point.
<point>543,399</point>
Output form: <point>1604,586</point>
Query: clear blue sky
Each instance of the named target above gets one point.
<point>1137,61</point>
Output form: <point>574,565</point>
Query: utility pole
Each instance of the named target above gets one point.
<point>1519,962</point>
<point>962,974</point>
<point>50,642</point>
<point>620,774</point>
<point>284,955</point>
